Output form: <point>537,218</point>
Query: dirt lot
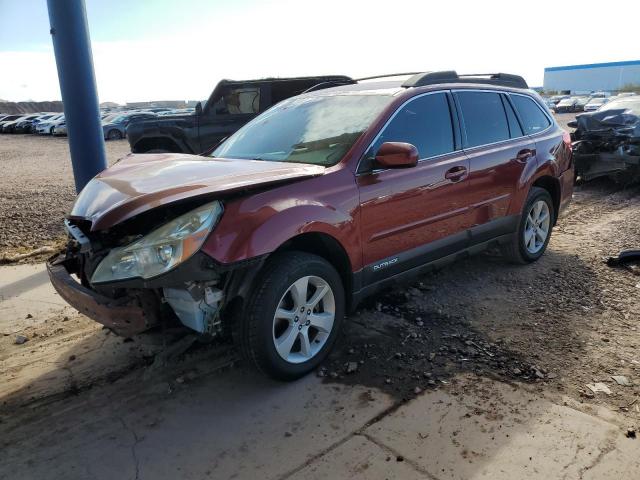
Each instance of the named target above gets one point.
<point>36,189</point>
<point>549,329</point>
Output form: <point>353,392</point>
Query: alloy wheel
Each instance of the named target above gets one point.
<point>536,229</point>
<point>304,319</point>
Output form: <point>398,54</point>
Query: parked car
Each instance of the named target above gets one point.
<point>557,98</point>
<point>26,125</point>
<point>46,127</point>
<point>315,204</point>
<point>115,126</point>
<point>8,119</point>
<point>599,95</point>
<point>580,104</point>
<point>230,106</point>
<point>571,104</point>
<point>10,126</point>
<point>60,129</point>
<point>595,103</point>
<point>550,104</point>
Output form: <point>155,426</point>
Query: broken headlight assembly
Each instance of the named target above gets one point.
<point>162,249</point>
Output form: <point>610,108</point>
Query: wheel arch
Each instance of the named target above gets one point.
<point>166,143</point>
<point>551,185</point>
<point>327,247</point>
<point>321,244</point>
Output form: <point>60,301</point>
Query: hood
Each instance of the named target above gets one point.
<point>138,183</point>
<point>612,125</point>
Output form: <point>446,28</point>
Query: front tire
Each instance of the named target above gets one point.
<point>534,229</point>
<point>114,135</point>
<point>293,316</point>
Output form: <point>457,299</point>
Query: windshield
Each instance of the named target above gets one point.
<point>316,130</point>
<point>597,101</point>
<point>628,104</point>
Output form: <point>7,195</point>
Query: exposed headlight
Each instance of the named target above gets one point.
<point>162,249</point>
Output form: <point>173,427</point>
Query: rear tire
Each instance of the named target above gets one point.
<point>293,315</point>
<point>534,229</point>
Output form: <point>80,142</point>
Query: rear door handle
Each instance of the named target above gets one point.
<point>455,174</point>
<point>525,154</point>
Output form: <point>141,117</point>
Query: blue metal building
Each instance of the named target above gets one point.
<point>592,77</point>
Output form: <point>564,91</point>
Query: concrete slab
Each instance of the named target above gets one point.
<point>484,429</point>
<point>236,424</point>
<point>358,459</point>
<point>24,290</point>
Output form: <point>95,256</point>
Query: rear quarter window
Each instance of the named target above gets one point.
<point>531,114</point>
<point>484,118</point>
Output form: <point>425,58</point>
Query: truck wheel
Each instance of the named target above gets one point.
<point>293,316</point>
<point>534,230</point>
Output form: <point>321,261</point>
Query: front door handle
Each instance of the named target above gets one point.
<point>525,154</point>
<point>455,174</point>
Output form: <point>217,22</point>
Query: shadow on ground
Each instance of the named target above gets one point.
<point>481,316</point>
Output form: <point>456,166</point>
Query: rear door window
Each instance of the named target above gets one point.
<point>424,122</point>
<point>484,118</point>
<point>533,119</point>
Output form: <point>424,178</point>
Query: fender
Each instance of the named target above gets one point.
<point>260,224</point>
<point>178,134</point>
<point>266,233</point>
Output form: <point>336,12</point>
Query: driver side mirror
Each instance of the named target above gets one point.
<point>397,155</point>
<point>199,108</point>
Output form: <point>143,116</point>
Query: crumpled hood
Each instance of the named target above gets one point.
<point>138,183</point>
<point>607,124</point>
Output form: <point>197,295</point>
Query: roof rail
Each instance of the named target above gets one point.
<point>434,78</point>
<point>386,75</point>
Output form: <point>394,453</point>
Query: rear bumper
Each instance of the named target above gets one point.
<point>124,316</point>
<point>567,180</point>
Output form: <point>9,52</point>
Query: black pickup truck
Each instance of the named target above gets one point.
<point>231,104</point>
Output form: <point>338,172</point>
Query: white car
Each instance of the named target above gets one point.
<point>46,127</point>
<point>595,103</point>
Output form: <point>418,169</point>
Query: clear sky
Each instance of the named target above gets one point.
<point>179,49</point>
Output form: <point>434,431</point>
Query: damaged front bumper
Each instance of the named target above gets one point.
<point>194,294</point>
<point>125,315</point>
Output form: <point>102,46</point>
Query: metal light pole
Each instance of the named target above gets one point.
<point>72,47</point>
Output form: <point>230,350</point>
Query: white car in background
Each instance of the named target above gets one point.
<point>595,103</point>
<point>46,127</point>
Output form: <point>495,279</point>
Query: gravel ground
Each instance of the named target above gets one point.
<point>567,321</point>
<point>36,189</point>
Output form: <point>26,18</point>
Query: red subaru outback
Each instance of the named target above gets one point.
<point>313,205</point>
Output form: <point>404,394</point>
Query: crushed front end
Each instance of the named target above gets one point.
<point>607,144</point>
<point>146,271</point>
